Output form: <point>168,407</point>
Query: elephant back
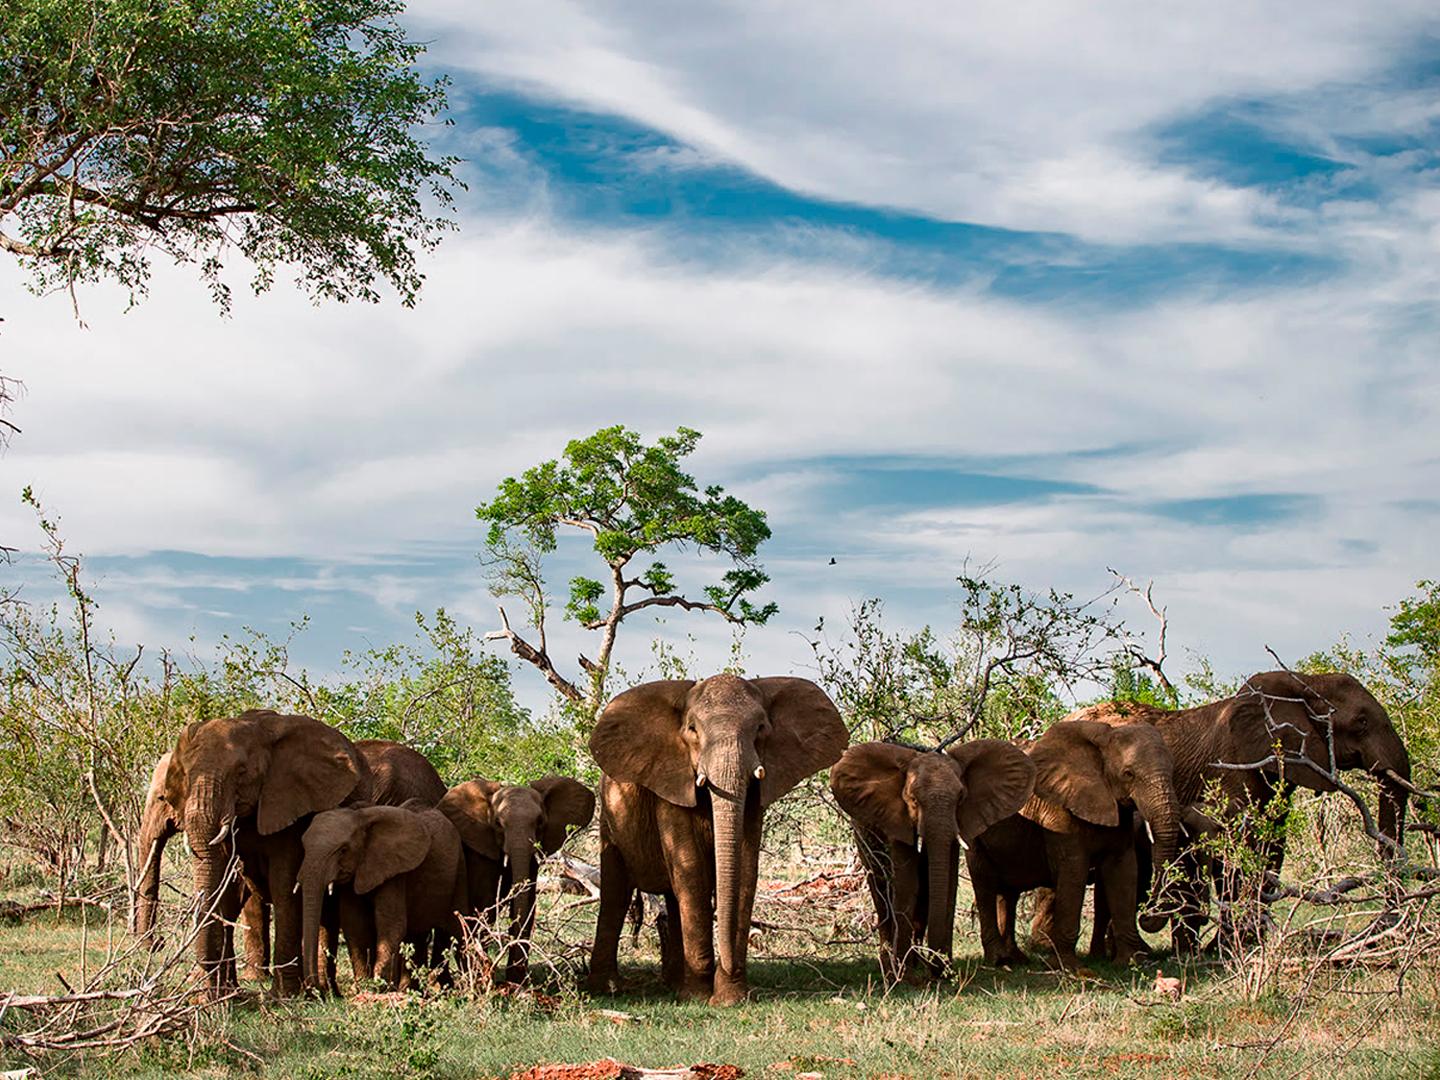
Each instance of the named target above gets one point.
<point>399,773</point>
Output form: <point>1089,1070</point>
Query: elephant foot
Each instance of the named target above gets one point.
<point>1127,956</point>
<point>729,992</point>
<point>604,982</point>
<point>1066,961</point>
<point>693,988</point>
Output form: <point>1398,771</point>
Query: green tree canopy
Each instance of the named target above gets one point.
<point>286,129</point>
<point>633,500</point>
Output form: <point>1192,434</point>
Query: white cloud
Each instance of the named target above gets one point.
<point>351,435</point>
<point>1020,115</point>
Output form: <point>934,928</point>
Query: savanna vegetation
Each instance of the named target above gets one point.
<point>84,718</point>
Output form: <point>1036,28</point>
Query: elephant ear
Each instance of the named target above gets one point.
<point>637,740</point>
<point>312,767</point>
<point>869,784</point>
<point>1277,706</point>
<point>396,842</point>
<point>999,777</point>
<point>568,804</point>
<point>806,733</point>
<point>470,807</point>
<point>1070,771</point>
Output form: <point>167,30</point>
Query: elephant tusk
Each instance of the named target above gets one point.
<point>701,779</point>
<point>295,889</point>
<point>330,889</point>
<point>963,845</point>
<point>759,772</point>
<point>224,832</point>
<point>920,845</point>
<point>1149,831</point>
<point>1399,781</point>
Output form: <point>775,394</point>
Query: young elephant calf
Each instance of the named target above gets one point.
<point>506,830</point>
<point>400,879</point>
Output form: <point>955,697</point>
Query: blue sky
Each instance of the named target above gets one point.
<point>1147,288</point>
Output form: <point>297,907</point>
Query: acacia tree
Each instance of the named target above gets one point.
<point>633,500</point>
<point>284,129</point>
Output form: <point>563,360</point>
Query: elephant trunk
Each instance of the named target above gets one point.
<point>316,875</point>
<point>523,869</point>
<point>1392,756</point>
<point>1157,804</point>
<point>209,810</point>
<point>939,835</point>
<point>155,829</point>
<point>729,774</point>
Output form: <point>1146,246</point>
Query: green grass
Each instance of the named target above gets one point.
<point>819,1009</point>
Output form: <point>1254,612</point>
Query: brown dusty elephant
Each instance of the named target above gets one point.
<point>246,786</point>
<point>908,807</point>
<point>385,771</point>
<point>1296,710</point>
<point>506,830</point>
<point>689,768</point>
<point>1090,779</point>
<point>158,823</point>
<point>399,876</point>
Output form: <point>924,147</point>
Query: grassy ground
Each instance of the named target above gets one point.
<point>818,1008</point>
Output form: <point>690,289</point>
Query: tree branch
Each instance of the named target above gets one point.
<point>536,657</point>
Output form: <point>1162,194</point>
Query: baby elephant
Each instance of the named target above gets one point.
<point>506,830</point>
<point>908,807</point>
<point>399,877</point>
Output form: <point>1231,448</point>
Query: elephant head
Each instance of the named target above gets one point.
<point>510,824</point>
<point>277,768</point>
<point>926,800</point>
<point>741,743</point>
<point>158,822</point>
<point>1311,716</point>
<point>1091,770</point>
<point>362,847</point>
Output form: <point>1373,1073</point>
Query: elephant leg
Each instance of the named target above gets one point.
<point>876,863</point>
<point>907,885</point>
<point>617,885</point>
<point>987,905</point>
<point>359,927</point>
<point>697,939</point>
<point>1102,939</point>
<point>230,908</point>
<point>1069,865</point>
<point>256,916</point>
<point>389,932</point>
<point>1042,923</point>
<point>284,872</point>
<point>1117,882</point>
<point>732,987</point>
<point>636,915</point>
<point>330,940</point>
<point>672,949</point>
<point>1010,951</point>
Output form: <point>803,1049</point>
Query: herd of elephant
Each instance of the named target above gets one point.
<point>363,839</point>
